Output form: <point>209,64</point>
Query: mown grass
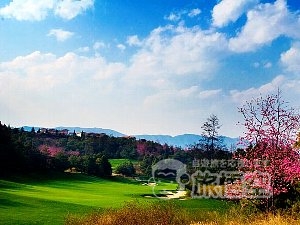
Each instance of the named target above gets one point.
<point>116,162</point>
<point>49,198</point>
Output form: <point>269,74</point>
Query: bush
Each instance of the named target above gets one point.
<point>126,168</point>
<point>168,213</point>
<point>103,167</point>
<point>161,213</point>
<point>96,165</point>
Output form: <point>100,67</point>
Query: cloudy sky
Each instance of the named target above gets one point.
<point>144,66</point>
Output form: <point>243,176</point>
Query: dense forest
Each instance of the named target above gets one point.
<point>22,151</point>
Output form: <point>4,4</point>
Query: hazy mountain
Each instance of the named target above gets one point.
<point>183,140</point>
<point>93,130</point>
<point>28,128</point>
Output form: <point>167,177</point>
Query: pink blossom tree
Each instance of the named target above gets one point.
<point>141,148</point>
<point>51,151</point>
<point>271,133</point>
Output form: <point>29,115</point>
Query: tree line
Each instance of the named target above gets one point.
<point>22,151</point>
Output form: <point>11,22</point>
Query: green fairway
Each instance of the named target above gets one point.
<point>116,162</point>
<point>48,199</point>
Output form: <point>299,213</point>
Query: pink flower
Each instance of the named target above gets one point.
<point>52,151</point>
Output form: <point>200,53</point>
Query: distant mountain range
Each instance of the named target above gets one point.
<point>183,140</point>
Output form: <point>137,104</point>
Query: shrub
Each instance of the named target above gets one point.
<point>160,213</point>
<point>169,213</point>
<point>126,168</point>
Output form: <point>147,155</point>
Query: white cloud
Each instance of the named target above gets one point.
<point>90,86</point>
<point>93,87</point>
<point>38,71</point>
<point>291,59</point>
<point>121,47</point>
<point>242,96</point>
<point>110,71</point>
<point>48,90</point>
<point>68,9</point>
<point>209,93</point>
<point>134,41</point>
<point>27,9</point>
<point>173,17</point>
<point>83,49</point>
<point>268,65</point>
<point>176,106</point>
<point>289,88</point>
<point>60,34</point>
<point>169,67</point>
<point>167,71</point>
<point>34,71</point>
<point>33,10</point>
<point>98,45</point>
<point>169,99</point>
<point>194,12</point>
<point>264,24</point>
<point>230,10</point>
<point>177,16</point>
<point>171,53</point>
<point>188,92</point>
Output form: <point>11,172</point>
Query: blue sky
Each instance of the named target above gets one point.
<point>144,66</point>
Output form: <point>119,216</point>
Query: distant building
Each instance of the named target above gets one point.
<point>63,132</point>
<point>53,131</point>
<point>95,135</point>
<point>80,134</point>
<point>43,130</point>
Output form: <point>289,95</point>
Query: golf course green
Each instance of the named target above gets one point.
<point>50,198</point>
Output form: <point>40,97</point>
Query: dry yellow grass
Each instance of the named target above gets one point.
<point>135,214</point>
<point>267,220</point>
<point>170,214</point>
<point>125,219</point>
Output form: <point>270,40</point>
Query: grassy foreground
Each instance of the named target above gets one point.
<point>170,213</point>
<point>49,199</point>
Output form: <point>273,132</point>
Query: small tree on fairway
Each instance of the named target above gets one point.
<point>103,167</point>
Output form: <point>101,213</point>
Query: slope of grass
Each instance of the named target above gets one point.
<point>48,199</point>
<point>116,162</point>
